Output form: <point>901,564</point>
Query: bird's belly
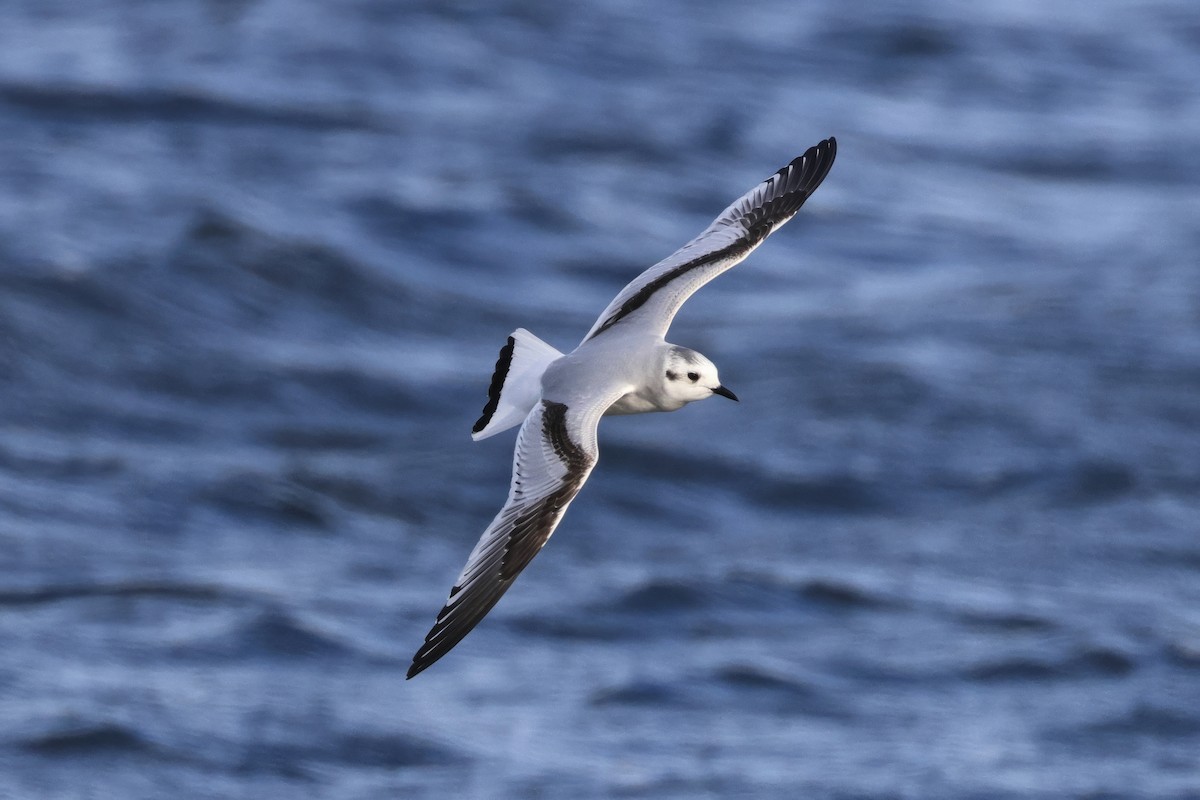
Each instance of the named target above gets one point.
<point>634,403</point>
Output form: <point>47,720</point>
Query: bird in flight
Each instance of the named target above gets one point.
<point>623,366</point>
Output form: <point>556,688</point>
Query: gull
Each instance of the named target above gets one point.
<point>623,366</point>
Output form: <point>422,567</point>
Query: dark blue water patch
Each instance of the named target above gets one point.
<point>1148,720</point>
<point>545,212</point>
<point>634,461</point>
<point>232,271</point>
<point>468,248</point>
<point>355,750</point>
<point>11,366</point>
<point>993,485</point>
<point>632,142</point>
<point>350,390</point>
<point>86,294</point>
<point>75,739</point>
<point>80,742</point>
<point>740,687</point>
<point>322,436</point>
<point>642,693</point>
<point>832,493</point>
<point>271,635</point>
<point>840,494</point>
<point>821,594</point>
<point>84,104</point>
<point>434,230</point>
<point>220,276</point>
<point>1129,730</point>
<point>206,379</point>
<point>61,465</point>
<point>841,596</point>
<point>256,496</point>
<point>586,627</point>
<point>747,590</point>
<point>1092,662</point>
<point>894,36</point>
<point>1001,670</point>
<point>660,608</point>
<point>849,386</point>
<point>304,749</point>
<point>652,609</point>
<point>673,598</point>
<point>1164,387</point>
<point>1089,161</point>
<point>1006,622</point>
<point>646,507</point>
<point>220,383</point>
<point>390,751</point>
<point>763,690</point>
<point>166,330</point>
<point>164,590</point>
<point>666,597</point>
<point>1092,481</point>
<point>875,673</point>
<point>361,491</point>
<point>1077,483</point>
<point>97,410</point>
<point>886,51</point>
<point>1184,654</point>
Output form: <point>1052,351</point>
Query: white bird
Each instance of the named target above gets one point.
<point>623,366</point>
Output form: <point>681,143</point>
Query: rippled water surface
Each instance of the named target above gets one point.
<point>257,258</point>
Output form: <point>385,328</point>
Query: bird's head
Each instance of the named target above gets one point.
<point>688,376</point>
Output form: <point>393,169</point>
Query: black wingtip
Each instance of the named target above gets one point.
<point>425,658</point>
<point>816,163</point>
<point>788,189</point>
<point>822,153</point>
<point>503,363</point>
<point>818,159</point>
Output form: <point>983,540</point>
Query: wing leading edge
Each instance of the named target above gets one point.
<point>655,296</point>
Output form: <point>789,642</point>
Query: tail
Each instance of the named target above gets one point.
<point>516,383</point>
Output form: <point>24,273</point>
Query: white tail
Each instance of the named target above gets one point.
<point>516,383</point>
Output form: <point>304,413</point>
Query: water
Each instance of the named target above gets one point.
<point>256,261</point>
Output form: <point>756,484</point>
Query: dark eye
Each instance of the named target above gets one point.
<point>671,376</point>
<point>693,376</point>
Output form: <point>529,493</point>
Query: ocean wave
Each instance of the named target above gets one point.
<point>741,687</point>
<point>272,634</point>
<point>107,104</point>
<point>166,590</point>
<point>1091,662</point>
<point>76,739</point>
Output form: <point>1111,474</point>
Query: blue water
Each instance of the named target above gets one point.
<point>257,258</point>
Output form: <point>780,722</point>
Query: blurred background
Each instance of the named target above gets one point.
<point>257,258</point>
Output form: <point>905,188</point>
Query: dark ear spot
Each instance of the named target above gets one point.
<point>672,376</point>
<point>693,376</point>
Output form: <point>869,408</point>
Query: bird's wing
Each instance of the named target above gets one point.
<point>556,450</point>
<point>654,296</point>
